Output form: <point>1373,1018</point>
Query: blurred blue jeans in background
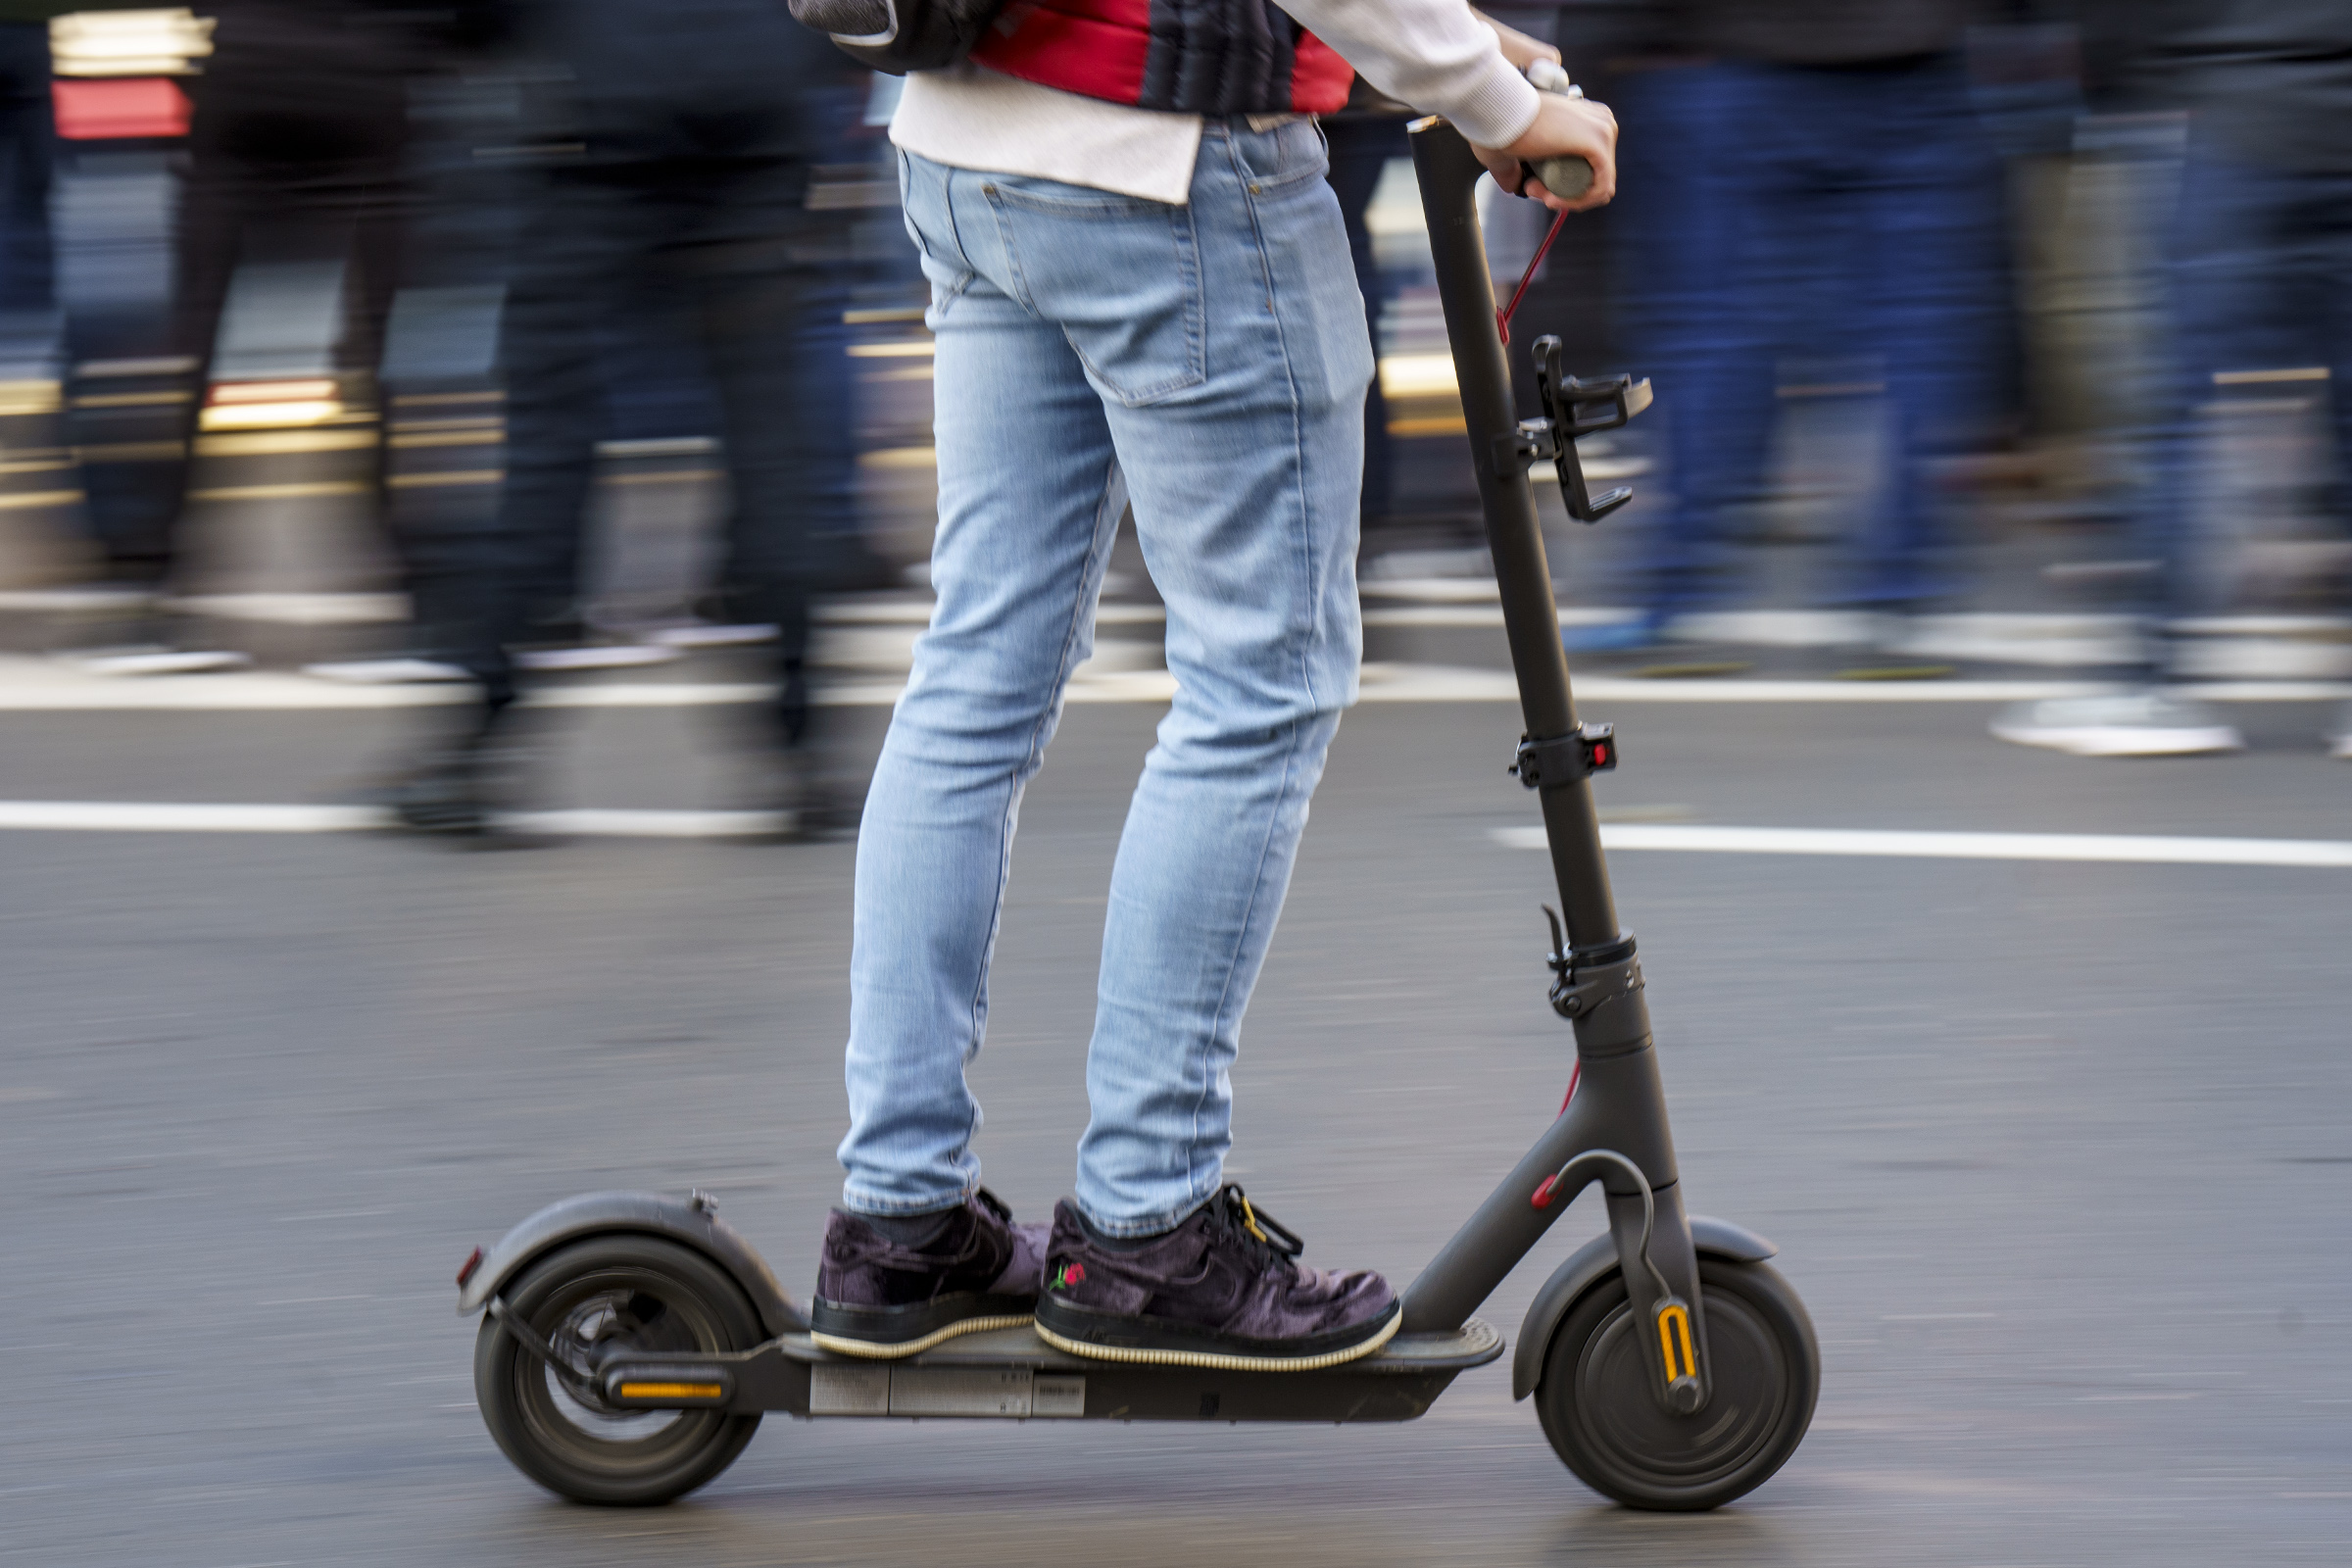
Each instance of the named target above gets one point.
<point>1775,213</point>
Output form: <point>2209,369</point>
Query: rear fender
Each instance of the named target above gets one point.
<point>1592,1262</point>
<point>692,1222</point>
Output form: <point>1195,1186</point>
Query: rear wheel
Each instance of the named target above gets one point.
<point>589,1300</point>
<point>1597,1406</point>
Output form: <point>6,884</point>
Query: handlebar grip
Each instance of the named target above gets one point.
<point>1568,177</point>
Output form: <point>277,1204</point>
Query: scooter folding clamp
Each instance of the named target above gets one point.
<point>1561,761</point>
<point>1585,979</point>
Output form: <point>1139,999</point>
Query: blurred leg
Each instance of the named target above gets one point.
<point>1925,201</point>
<point>580,244</point>
<point>2231,234</point>
<point>776,426</point>
<point>1688,217</point>
<point>1360,150</point>
<point>27,138</point>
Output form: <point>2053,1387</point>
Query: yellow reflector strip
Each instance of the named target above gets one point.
<point>1673,1324</point>
<point>671,1391</point>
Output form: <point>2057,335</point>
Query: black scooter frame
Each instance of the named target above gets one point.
<point>1614,1129</point>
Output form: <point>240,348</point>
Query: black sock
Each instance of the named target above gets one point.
<point>911,1230</point>
<point>1117,1244</point>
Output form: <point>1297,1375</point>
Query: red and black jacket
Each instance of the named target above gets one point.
<point>1201,57</point>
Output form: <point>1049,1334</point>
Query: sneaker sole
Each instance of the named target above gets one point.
<point>1223,1362</point>
<point>877,1351</point>
<point>2100,742</point>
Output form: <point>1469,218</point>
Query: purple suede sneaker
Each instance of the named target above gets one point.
<point>1221,1290</point>
<point>877,1298</point>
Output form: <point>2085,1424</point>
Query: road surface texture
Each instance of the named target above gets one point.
<point>2058,1153</point>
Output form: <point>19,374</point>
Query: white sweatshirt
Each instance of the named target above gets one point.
<point>1431,54</point>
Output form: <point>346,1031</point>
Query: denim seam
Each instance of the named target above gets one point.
<point>1308,574</point>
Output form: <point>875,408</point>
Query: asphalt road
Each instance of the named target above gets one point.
<point>2058,1154</point>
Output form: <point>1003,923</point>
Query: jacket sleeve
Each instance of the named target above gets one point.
<point>1431,54</point>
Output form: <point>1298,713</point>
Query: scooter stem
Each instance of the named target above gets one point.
<point>1449,173</point>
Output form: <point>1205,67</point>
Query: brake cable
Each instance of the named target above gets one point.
<point>1502,318</point>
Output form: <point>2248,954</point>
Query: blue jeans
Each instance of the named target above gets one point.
<point>1210,363</point>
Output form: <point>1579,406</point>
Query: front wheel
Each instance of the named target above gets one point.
<point>590,1301</point>
<point>1597,1406</point>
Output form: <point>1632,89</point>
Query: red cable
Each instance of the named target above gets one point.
<point>1502,318</point>
<point>1574,1069</point>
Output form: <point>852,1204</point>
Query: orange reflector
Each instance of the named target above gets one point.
<point>671,1391</point>
<point>1673,1334</point>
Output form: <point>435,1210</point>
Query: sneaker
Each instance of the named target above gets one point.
<point>2339,736</point>
<point>880,1299</point>
<point>2145,723</point>
<point>1222,1290</point>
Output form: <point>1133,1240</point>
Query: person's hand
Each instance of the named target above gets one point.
<point>1518,48</point>
<point>1564,128</point>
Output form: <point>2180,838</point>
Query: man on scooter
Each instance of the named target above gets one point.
<point>1140,294</point>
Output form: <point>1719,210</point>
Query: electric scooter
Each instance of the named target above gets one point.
<point>631,1343</point>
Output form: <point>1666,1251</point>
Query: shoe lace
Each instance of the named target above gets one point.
<point>1262,1237</point>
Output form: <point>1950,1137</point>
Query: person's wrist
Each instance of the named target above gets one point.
<point>1500,110</point>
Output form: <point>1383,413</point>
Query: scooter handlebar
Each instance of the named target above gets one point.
<point>1565,178</point>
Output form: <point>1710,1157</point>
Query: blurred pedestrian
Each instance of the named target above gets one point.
<point>676,140</point>
<point>1363,138</point>
<point>1810,185</point>
<point>295,154</point>
<point>28,150</point>
<point>2261,296</point>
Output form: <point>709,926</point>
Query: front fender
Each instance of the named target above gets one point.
<point>1587,1265</point>
<point>591,1213</point>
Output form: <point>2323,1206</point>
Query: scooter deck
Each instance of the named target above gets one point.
<point>1010,1373</point>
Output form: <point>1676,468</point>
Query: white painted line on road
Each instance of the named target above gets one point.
<point>144,817</point>
<point>159,817</point>
<point>154,816</point>
<point>2119,848</point>
<point>34,685</point>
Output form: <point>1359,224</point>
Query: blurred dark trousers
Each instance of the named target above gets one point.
<point>1361,147</point>
<point>1799,211</point>
<point>28,150</point>
<point>727,234</point>
<point>289,160</point>
<point>2261,279</point>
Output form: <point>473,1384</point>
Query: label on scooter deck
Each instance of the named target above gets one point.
<point>1010,1373</point>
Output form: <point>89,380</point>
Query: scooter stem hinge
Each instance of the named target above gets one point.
<point>1584,978</point>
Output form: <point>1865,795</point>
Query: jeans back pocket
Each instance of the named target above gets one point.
<point>1118,275</point>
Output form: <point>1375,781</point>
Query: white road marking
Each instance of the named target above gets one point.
<point>2117,847</point>
<point>39,685</point>
<point>159,817</point>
